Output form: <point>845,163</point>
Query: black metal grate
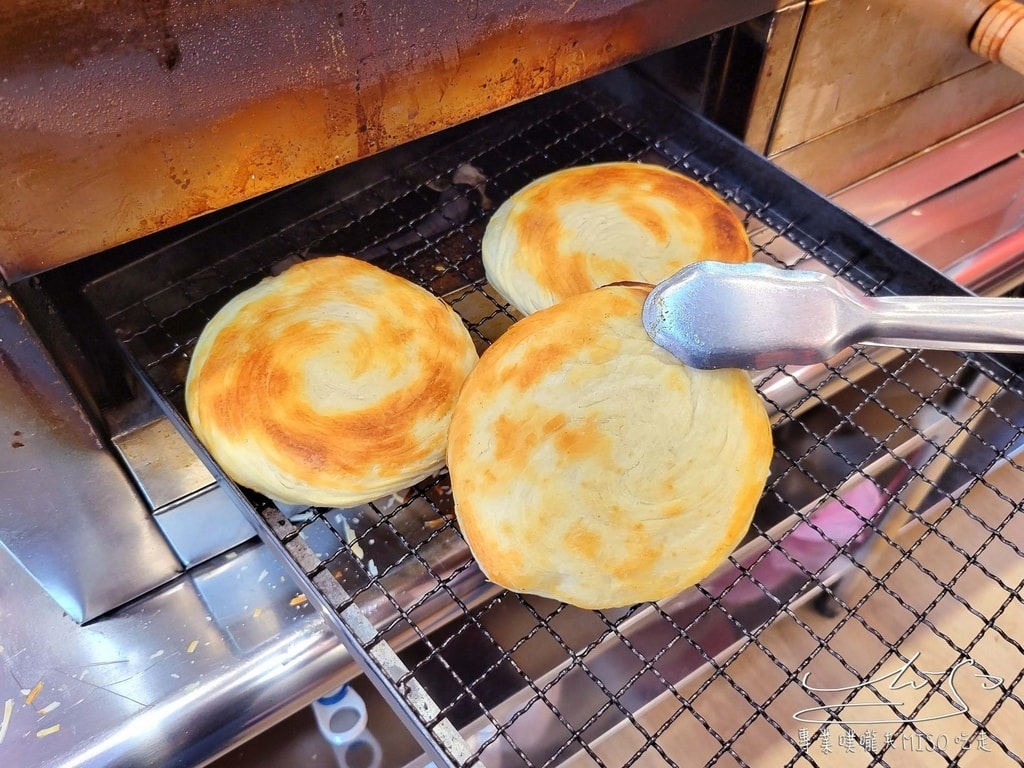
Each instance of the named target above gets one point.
<point>887,535</point>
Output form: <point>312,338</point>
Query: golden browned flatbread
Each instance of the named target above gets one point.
<point>331,384</point>
<point>588,465</point>
<point>580,228</point>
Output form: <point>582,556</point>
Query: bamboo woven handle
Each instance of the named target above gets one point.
<point>999,36</point>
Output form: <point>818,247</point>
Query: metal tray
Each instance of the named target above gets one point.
<point>874,457</point>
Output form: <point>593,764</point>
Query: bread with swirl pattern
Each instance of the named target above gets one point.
<point>580,228</point>
<point>589,465</point>
<point>331,384</point>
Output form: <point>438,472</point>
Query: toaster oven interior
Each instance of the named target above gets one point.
<point>864,555</point>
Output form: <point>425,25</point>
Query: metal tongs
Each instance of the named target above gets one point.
<point>755,316</point>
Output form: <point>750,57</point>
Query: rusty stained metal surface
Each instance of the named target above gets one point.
<point>121,117</point>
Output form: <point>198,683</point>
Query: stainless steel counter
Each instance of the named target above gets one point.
<point>174,679</point>
<point>171,680</point>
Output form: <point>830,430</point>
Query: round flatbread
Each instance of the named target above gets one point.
<point>589,465</point>
<point>331,384</point>
<point>580,228</point>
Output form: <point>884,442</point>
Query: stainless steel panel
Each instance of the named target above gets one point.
<point>856,150</point>
<point>857,58</point>
<point>68,513</point>
<point>848,89</point>
<point>203,526</point>
<point>780,47</point>
<point>967,217</point>
<point>196,517</point>
<point>165,468</point>
<point>936,170</point>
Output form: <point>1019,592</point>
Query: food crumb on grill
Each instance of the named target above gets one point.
<point>8,711</point>
<point>40,734</point>
<point>192,646</point>
<point>48,708</point>
<point>31,695</point>
<point>256,613</point>
<point>297,600</point>
<point>350,539</point>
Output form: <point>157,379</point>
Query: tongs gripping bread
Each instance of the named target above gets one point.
<point>589,466</point>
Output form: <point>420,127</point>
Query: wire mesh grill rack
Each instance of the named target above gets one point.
<point>869,618</point>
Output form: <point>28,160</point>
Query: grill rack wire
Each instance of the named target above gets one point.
<point>833,582</point>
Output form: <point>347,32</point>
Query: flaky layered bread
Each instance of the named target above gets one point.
<point>580,228</point>
<point>331,384</point>
<point>588,465</point>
